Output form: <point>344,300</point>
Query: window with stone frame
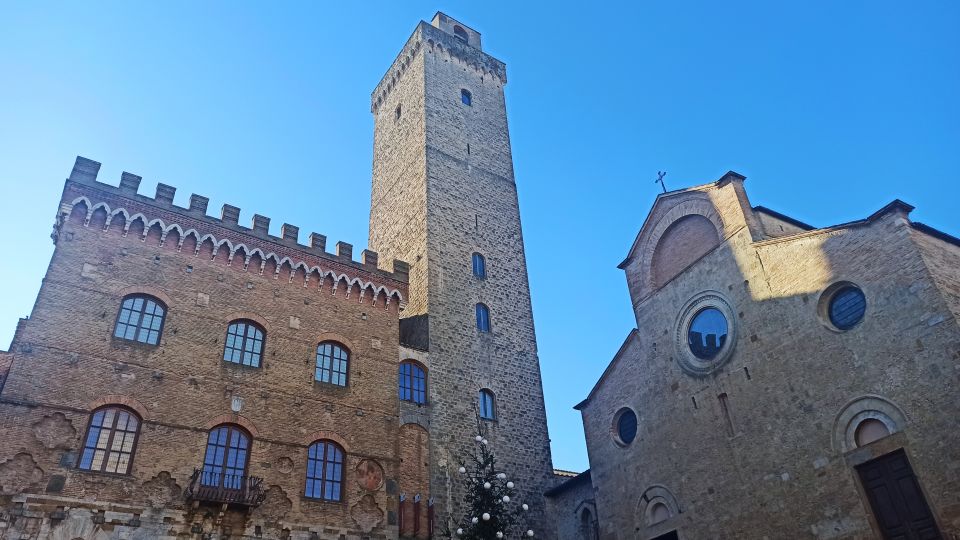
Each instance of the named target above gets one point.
<point>483,318</point>
<point>487,405</point>
<point>333,362</point>
<point>111,440</point>
<point>413,382</point>
<point>324,471</point>
<point>479,266</point>
<point>244,343</point>
<point>140,319</point>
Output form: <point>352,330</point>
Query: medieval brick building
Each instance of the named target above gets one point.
<point>783,381</point>
<point>183,376</point>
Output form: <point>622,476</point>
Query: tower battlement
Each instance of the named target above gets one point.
<point>439,38</point>
<point>83,192</point>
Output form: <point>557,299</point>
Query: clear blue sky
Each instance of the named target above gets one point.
<point>831,109</point>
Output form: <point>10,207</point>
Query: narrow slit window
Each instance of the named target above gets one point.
<point>483,318</point>
<point>465,97</point>
<point>479,266</point>
<point>487,405</point>
<point>726,414</point>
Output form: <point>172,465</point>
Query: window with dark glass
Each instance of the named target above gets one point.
<point>479,266</point>
<point>110,442</point>
<point>847,307</point>
<point>465,97</point>
<point>707,333</point>
<point>324,471</point>
<point>413,382</point>
<point>332,363</point>
<point>225,461</point>
<point>244,343</point>
<point>460,33</point>
<point>487,405</point>
<point>626,426</point>
<point>483,318</point>
<point>140,319</point>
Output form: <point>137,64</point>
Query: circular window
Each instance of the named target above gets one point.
<point>847,307</point>
<point>626,426</point>
<point>707,333</point>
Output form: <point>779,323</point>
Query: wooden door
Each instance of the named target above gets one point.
<point>895,497</point>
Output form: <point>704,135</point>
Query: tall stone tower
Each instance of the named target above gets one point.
<point>443,191</point>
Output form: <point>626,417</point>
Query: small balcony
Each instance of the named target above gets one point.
<point>216,487</point>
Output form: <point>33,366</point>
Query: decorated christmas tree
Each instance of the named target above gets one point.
<point>493,509</point>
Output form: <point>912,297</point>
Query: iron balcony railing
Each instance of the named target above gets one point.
<point>213,486</point>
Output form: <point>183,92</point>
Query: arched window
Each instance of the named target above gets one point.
<point>324,471</point>
<point>110,441</point>
<point>460,33</point>
<point>483,318</point>
<point>140,319</point>
<point>225,462</point>
<point>487,405</point>
<point>465,97</point>
<point>588,525</point>
<point>244,343</point>
<point>333,360</point>
<point>413,382</point>
<point>479,266</point>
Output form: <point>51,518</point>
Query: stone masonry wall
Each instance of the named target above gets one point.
<point>469,205</point>
<point>768,461</point>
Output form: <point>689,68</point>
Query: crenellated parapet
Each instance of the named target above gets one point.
<point>190,230</point>
<point>440,42</point>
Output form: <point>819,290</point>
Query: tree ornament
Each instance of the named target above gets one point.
<point>487,512</point>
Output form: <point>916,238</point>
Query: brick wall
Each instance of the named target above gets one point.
<point>67,363</point>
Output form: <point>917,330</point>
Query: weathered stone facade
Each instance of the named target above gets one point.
<point>447,155</point>
<point>442,190</point>
<point>764,440</point>
<point>66,363</point>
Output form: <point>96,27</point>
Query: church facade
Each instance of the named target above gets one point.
<point>185,376</point>
<point>783,381</point>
